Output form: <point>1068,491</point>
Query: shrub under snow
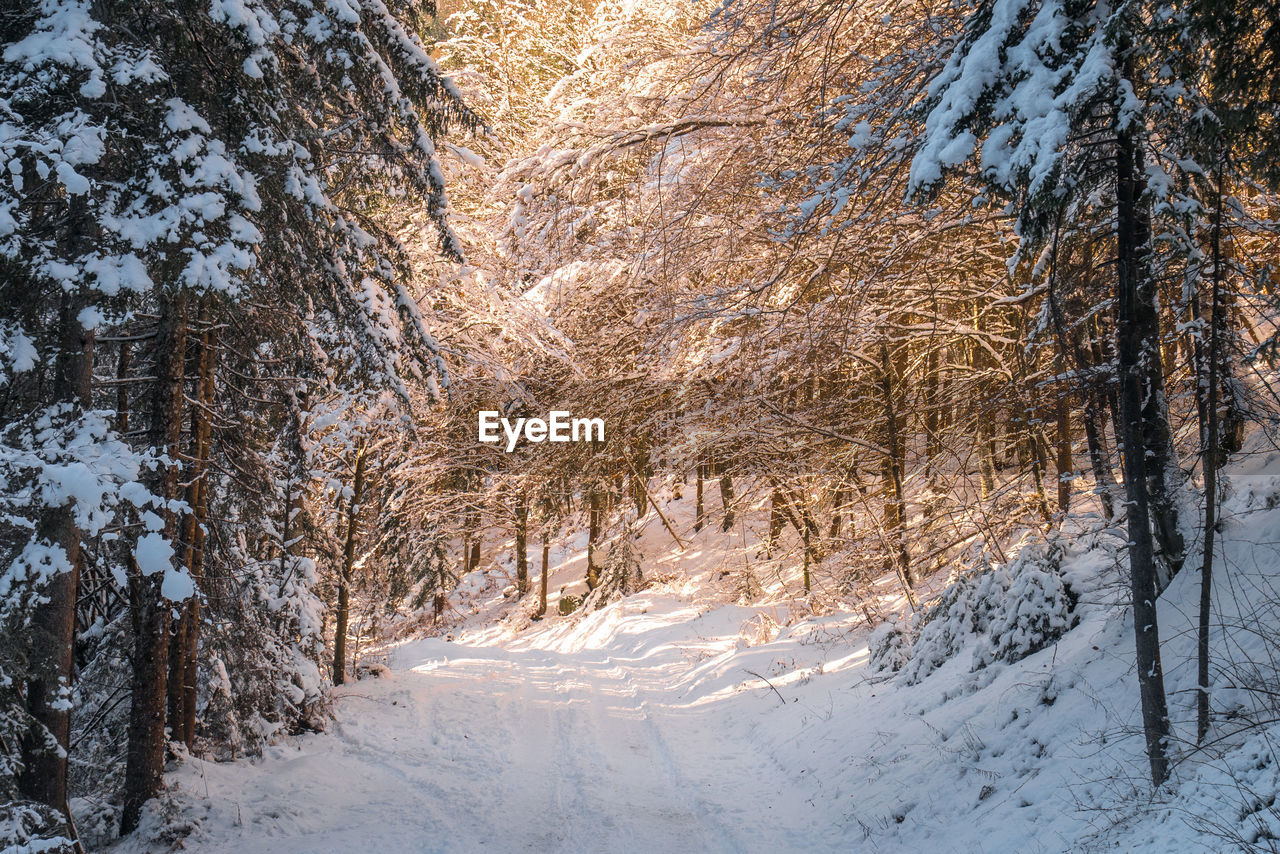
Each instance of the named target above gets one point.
<point>1004,614</point>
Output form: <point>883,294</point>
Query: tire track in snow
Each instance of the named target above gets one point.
<point>624,798</point>
<point>725,839</point>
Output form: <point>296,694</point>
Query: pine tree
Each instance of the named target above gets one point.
<point>177,167</point>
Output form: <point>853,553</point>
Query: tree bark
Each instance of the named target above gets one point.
<point>808,586</point>
<point>1161,466</point>
<point>594,513</point>
<point>1099,454</point>
<point>183,625</point>
<point>1138,346</point>
<point>640,472</point>
<point>698,510</point>
<point>122,390</point>
<point>932,400</point>
<point>986,457</point>
<point>1210,461</point>
<point>522,545</point>
<point>470,534</point>
<point>837,505</point>
<point>344,577</point>
<point>1037,448</point>
<point>199,499</point>
<point>893,466</point>
<point>803,523</point>
<point>777,519</point>
<point>542,582</point>
<point>726,501</point>
<point>1066,464</point>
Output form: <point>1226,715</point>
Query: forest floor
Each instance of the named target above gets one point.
<point>676,720</point>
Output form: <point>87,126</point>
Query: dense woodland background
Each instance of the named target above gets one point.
<point>917,278</point>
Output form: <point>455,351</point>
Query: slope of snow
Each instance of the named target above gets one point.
<point>677,721</point>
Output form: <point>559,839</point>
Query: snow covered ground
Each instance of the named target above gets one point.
<point>678,721</point>
<point>466,748</point>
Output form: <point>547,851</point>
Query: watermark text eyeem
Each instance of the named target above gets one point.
<point>559,426</point>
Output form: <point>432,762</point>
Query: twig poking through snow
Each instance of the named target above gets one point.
<point>770,684</point>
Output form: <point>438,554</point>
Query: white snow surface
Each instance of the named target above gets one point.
<point>675,720</point>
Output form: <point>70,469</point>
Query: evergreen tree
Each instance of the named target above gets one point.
<point>152,148</point>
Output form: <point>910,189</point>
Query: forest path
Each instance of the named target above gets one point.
<point>489,748</point>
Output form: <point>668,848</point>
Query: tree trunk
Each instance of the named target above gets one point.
<point>726,501</point>
<point>522,545</point>
<point>144,764</point>
<point>542,582</point>
<point>893,466</point>
<point>777,519</point>
<point>1163,475</point>
<point>1137,346</point>
<point>1210,461</point>
<point>986,456</point>
<point>807,581</point>
<point>698,511</point>
<point>344,577</point>
<point>199,498</point>
<point>1161,466</point>
<point>470,535</point>
<point>812,536</point>
<point>593,535</point>
<point>177,668</point>
<point>1066,464</point>
<point>640,472</point>
<point>803,523</point>
<point>182,640</point>
<point>53,621</point>
<point>1037,450</point>
<point>122,390</point>
<point>932,398</point>
<point>1099,454</point>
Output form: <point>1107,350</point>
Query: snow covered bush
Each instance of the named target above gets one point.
<point>267,675</point>
<point>890,646</point>
<point>621,574</point>
<point>34,827</point>
<point>1036,607</point>
<point>1003,614</point>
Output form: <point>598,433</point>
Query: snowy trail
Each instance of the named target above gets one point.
<point>465,748</point>
<point>647,727</point>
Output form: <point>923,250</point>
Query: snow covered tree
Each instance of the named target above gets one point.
<point>1077,114</point>
<point>1049,100</point>
<point>179,169</point>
